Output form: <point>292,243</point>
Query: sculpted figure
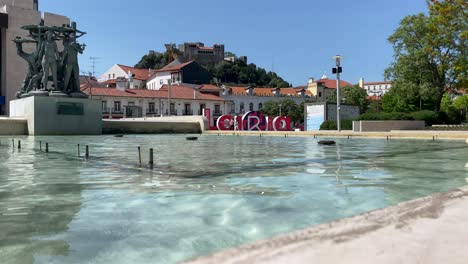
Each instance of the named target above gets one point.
<point>70,61</point>
<point>49,60</point>
<point>34,74</point>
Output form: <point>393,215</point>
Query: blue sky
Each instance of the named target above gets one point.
<point>296,38</point>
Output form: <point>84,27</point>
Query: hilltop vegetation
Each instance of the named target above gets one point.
<point>233,73</point>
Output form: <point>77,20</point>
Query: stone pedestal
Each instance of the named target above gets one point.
<point>59,115</point>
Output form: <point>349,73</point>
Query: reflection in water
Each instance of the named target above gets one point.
<point>36,201</point>
<point>201,196</point>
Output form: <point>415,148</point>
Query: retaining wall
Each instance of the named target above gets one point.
<point>13,126</point>
<point>387,125</point>
<point>156,125</point>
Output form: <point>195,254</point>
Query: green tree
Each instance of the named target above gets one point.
<point>240,73</point>
<point>461,103</point>
<point>354,95</point>
<point>288,108</point>
<point>430,55</point>
<point>153,60</point>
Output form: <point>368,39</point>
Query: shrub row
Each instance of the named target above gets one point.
<point>346,124</point>
<point>430,117</point>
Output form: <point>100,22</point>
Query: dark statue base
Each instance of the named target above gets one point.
<point>79,95</point>
<point>36,93</point>
<point>58,94</point>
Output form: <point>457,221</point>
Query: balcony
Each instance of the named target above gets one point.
<point>217,113</point>
<point>187,113</point>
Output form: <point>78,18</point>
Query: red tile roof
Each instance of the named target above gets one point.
<point>331,84</point>
<point>174,68</point>
<point>210,87</point>
<point>140,74</point>
<point>178,92</point>
<point>258,91</point>
<point>374,98</point>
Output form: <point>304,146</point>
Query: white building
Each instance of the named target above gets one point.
<point>375,88</point>
<point>184,100</point>
<point>244,99</point>
<point>178,72</point>
<point>137,77</point>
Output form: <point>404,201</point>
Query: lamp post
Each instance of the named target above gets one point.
<point>280,109</point>
<point>337,71</point>
<point>377,92</point>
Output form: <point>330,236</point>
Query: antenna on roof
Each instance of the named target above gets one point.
<point>93,64</point>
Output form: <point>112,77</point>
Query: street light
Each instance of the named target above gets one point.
<point>377,92</point>
<point>280,109</point>
<point>337,71</point>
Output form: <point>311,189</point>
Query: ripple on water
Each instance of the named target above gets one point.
<point>201,196</point>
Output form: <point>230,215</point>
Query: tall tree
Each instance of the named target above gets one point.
<point>354,95</point>
<point>430,53</point>
<point>153,60</point>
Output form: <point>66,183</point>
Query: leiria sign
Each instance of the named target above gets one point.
<point>254,121</point>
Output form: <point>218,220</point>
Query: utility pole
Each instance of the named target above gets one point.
<point>338,70</point>
<point>169,98</point>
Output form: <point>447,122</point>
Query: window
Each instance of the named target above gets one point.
<point>260,106</point>
<point>104,106</point>
<point>172,107</point>
<point>109,76</point>
<point>217,109</point>
<point>151,107</point>
<point>113,76</point>
<point>117,106</point>
<point>161,82</point>
<point>241,108</point>
<point>187,109</point>
<point>251,107</point>
<point>320,94</point>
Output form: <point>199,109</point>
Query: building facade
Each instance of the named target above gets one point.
<point>322,89</point>
<point>244,99</point>
<point>181,100</point>
<point>178,72</point>
<point>375,88</point>
<point>13,15</point>
<point>136,77</point>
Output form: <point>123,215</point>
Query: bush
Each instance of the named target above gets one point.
<point>430,117</point>
<point>386,116</point>
<point>346,124</point>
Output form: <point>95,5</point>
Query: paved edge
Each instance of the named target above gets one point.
<point>408,134</point>
<point>341,230</point>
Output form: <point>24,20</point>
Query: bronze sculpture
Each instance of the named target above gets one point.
<point>46,63</point>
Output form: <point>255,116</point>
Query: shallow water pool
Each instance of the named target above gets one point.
<point>200,196</point>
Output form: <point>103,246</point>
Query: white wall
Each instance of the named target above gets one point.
<point>384,88</point>
<point>162,78</point>
<point>114,72</point>
<point>161,104</point>
<point>256,100</point>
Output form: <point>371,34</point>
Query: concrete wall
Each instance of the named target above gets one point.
<point>347,111</point>
<point>157,125</point>
<point>387,125</point>
<point>13,126</point>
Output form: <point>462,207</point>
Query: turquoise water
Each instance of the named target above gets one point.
<point>201,196</point>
